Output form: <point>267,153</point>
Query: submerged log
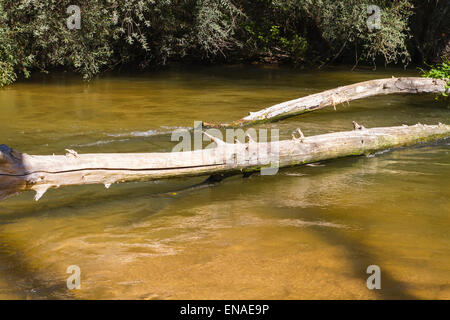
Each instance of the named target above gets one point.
<point>20,171</point>
<point>340,95</point>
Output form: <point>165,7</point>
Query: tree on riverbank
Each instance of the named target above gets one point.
<point>143,33</point>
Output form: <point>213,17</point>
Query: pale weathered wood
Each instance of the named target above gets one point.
<point>345,94</point>
<point>20,171</point>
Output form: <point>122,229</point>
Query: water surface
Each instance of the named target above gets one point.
<point>306,233</point>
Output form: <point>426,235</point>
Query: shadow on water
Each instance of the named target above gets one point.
<point>26,281</point>
<point>23,280</point>
<point>171,192</point>
<point>360,256</point>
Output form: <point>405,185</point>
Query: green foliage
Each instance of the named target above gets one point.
<point>12,58</point>
<point>344,26</point>
<point>33,34</point>
<point>143,33</point>
<point>439,71</point>
<point>7,74</point>
<point>40,39</point>
<point>271,43</point>
<point>328,29</point>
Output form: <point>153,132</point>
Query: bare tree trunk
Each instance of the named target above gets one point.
<point>20,171</point>
<point>339,95</point>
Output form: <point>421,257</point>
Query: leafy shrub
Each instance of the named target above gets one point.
<point>439,71</point>
<point>33,34</point>
<point>344,26</point>
<point>142,33</point>
<point>13,60</point>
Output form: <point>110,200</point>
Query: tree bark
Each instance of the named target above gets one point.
<point>340,95</point>
<point>20,171</point>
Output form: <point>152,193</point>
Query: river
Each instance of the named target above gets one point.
<point>306,233</point>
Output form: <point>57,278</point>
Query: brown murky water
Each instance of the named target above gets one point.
<point>306,233</point>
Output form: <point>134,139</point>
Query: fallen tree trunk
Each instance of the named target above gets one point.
<point>20,171</point>
<point>340,95</point>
